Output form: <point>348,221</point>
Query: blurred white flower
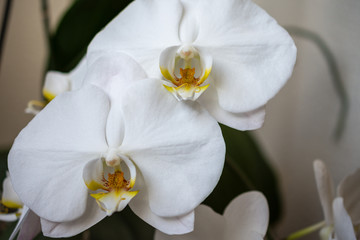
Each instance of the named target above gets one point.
<point>12,209</point>
<point>11,205</point>
<point>246,217</point>
<point>57,83</point>
<point>342,213</point>
<point>232,49</point>
<point>120,140</point>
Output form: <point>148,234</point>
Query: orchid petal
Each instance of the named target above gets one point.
<point>93,173</point>
<point>30,228</point>
<point>240,121</point>
<point>114,72</point>
<point>143,38</point>
<point>170,225</point>
<point>9,217</point>
<point>113,201</point>
<point>247,217</point>
<point>9,198</point>
<point>325,189</point>
<point>209,225</point>
<point>167,62</point>
<point>253,56</point>
<point>59,82</point>
<point>54,140</point>
<point>90,217</point>
<point>77,75</point>
<point>349,190</point>
<point>344,229</point>
<point>172,159</point>
<point>55,84</point>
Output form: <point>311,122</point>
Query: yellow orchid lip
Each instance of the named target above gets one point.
<point>186,69</point>
<point>112,191</point>
<point>116,189</point>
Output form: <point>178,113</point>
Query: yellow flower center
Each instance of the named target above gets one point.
<point>187,76</point>
<point>116,182</point>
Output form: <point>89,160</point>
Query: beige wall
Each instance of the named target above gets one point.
<point>301,119</point>
<point>23,62</point>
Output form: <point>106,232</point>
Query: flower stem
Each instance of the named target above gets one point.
<point>335,73</point>
<point>306,231</point>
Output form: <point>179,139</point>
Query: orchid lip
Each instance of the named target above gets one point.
<point>110,188</point>
<point>185,69</point>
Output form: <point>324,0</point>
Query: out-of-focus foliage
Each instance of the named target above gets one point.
<point>246,168</point>
<point>77,28</point>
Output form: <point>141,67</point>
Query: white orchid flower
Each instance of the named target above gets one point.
<point>11,205</point>
<point>57,83</point>
<point>93,151</point>
<point>246,217</point>
<point>342,213</point>
<point>230,55</point>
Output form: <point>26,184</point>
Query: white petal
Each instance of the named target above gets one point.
<point>178,148</point>
<point>252,55</point>
<point>58,82</point>
<point>93,173</point>
<point>55,84</point>
<point>170,225</point>
<point>247,217</point>
<point>114,72</point>
<point>113,202</point>
<point>325,189</point>
<point>9,198</point>
<point>30,228</point>
<point>344,229</point>
<point>9,217</point>
<point>48,156</point>
<point>349,190</point>
<point>77,75</point>
<point>209,225</point>
<point>240,121</point>
<point>142,30</point>
<point>167,62</point>
<point>91,216</point>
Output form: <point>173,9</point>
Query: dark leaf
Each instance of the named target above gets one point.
<point>245,169</point>
<point>78,27</point>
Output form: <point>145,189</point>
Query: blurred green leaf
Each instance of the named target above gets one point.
<point>77,28</point>
<point>3,163</point>
<point>6,229</point>
<point>245,169</point>
<point>124,225</point>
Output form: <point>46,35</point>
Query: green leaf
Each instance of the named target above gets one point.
<point>6,229</point>
<point>77,28</point>
<point>124,225</point>
<point>245,169</point>
<point>3,164</point>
